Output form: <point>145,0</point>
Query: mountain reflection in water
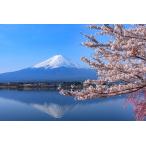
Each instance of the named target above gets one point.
<point>54,110</point>
<point>50,105</point>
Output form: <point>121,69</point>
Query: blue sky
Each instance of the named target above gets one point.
<point>25,45</point>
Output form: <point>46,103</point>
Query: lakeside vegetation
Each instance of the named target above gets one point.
<point>40,85</point>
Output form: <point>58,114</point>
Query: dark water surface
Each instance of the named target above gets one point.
<point>50,105</point>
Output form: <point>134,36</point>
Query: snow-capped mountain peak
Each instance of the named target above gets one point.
<point>55,62</point>
<point>56,68</point>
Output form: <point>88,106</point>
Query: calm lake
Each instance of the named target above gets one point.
<point>50,105</point>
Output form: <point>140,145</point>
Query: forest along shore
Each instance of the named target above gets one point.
<point>40,85</point>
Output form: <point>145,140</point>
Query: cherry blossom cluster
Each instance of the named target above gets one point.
<point>119,60</point>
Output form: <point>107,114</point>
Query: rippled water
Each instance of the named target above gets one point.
<point>50,105</point>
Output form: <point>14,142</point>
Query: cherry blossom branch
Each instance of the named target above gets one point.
<point>120,59</point>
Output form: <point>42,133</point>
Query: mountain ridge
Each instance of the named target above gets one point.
<point>56,68</point>
<point>55,62</point>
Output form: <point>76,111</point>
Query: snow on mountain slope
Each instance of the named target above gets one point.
<point>55,62</point>
<point>56,68</point>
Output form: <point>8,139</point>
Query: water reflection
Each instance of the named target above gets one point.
<point>50,105</point>
<point>54,110</point>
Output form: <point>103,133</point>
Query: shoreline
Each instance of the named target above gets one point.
<point>39,85</point>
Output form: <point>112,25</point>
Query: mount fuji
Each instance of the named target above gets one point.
<point>56,68</point>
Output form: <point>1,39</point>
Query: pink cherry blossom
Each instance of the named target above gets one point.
<point>120,62</point>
